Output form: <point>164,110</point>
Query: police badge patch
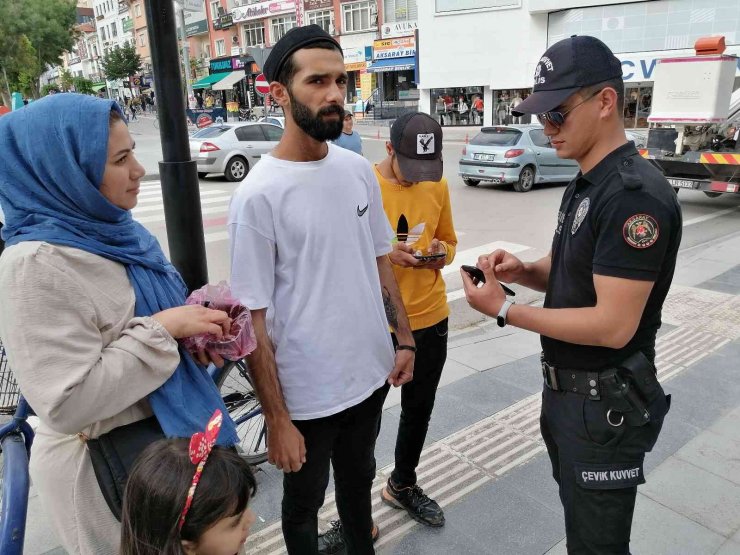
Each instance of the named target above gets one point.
<point>640,231</point>
<point>580,215</point>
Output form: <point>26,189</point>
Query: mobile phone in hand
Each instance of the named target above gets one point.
<point>479,277</point>
<point>430,257</point>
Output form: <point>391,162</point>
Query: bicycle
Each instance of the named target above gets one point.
<point>245,114</point>
<point>16,439</point>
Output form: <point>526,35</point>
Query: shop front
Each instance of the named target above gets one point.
<point>394,63</point>
<point>229,85</point>
<point>360,83</point>
<point>458,105</point>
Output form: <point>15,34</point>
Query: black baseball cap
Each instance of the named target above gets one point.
<point>348,113</point>
<point>566,67</point>
<point>417,142</point>
<point>295,39</point>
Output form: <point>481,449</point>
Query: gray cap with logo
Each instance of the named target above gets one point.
<point>417,142</point>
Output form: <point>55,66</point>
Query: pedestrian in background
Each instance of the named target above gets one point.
<point>349,139</point>
<point>606,277</point>
<point>310,242</point>
<point>90,308</point>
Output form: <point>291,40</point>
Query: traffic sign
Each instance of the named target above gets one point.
<point>261,85</point>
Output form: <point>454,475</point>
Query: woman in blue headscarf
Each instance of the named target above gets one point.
<point>90,308</point>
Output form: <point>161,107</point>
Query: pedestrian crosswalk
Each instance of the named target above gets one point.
<point>214,204</point>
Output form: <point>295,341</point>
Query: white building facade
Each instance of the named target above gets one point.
<point>489,48</point>
<point>113,23</point>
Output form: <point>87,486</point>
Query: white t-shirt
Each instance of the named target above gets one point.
<point>304,241</point>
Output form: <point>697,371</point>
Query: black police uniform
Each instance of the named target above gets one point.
<point>621,219</point>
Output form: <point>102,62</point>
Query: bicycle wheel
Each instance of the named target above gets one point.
<point>14,487</point>
<point>244,408</point>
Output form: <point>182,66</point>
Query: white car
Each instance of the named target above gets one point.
<point>274,120</point>
<point>232,148</point>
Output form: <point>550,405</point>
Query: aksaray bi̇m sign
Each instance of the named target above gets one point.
<point>401,47</point>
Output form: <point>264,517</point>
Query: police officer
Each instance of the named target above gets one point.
<point>606,277</point>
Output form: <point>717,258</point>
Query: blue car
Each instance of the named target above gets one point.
<point>517,154</point>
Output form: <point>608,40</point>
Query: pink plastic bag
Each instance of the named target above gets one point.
<point>240,340</point>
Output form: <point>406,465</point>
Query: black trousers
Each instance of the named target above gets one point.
<point>417,401</point>
<point>597,467</point>
<point>347,439</point>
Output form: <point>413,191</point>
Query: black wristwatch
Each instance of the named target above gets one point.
<point>501,318</point>
<point>406,348</point>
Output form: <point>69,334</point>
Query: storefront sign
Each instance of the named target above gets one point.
<point>234,63</point>
<point>205,117</point>
<point>317,4</point>
<point>196,28</point>
<point>262,9</point>
<point>641,67</point>
<point>353,55</point>
<point>73,60</point>
<point>357,66</point>
<point>398,29</point>
<point>191,5</point>
<point>385,49</point>
<point>300,13</point>
<point>226,21</point>
<point>128,25</point>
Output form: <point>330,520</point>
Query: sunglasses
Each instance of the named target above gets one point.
<point>557,119</point>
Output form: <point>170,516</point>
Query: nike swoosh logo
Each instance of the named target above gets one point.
<point>361,213</point>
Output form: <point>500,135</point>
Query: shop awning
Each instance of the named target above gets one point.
<point>392,64</point>
<point>229,81</point>
<point>207,81</point>
<point>98,86</point>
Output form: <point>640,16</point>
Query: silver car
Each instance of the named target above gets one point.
<point>274,120</point>
<point>517,154</point>
<point>232,148</point>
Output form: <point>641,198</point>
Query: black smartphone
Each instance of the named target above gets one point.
<point>478,275</point>
<point>430,257</point>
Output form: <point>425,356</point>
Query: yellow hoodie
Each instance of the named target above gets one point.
<point>426,206</point>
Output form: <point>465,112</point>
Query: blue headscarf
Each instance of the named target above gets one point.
<point>52,159</point>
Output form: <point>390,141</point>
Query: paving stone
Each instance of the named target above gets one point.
<point>730,547</point>
<point>658,530</point>
<point>518,345</point>
<point>717,454</point>
<point>696,494</point>
<point>480,356</point>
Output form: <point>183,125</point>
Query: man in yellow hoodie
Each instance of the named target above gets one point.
<point>416,200</point>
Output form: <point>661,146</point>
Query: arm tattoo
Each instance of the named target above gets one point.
<point>391,312</point>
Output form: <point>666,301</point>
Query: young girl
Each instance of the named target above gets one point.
<point>186,499</point>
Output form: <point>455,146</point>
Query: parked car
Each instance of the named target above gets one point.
<point>517,154</point>
<point>232,148</point>
<point>637,137</point>
<point>274,120</point>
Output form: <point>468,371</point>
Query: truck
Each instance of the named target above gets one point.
<point>694,134</point>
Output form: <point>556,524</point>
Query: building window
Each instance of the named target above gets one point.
<point>322,18</point>
<point>102,33</point>
<point>114,30</point>
<point>141,39</point>
<point>280,26</point>
<point>207,50</point>
<point>220,47</point>
<point>254,34</point>
<point>359,16</point>
<point>137,10</point>
<point>399,10</point>
<point>215,6</point>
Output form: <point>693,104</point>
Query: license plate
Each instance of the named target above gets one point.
<point>683,183</point>
<point>484,157</point>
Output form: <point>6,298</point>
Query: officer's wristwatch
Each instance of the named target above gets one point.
<point>501,318</point>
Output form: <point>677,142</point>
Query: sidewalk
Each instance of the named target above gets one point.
<point>486,464</point>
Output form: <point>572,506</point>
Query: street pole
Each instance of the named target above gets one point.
<point>178,173</point>
<point>185,53</point>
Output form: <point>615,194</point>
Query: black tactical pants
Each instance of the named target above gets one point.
<point>597,467</point>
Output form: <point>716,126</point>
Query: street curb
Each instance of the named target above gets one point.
<point>150,176</point>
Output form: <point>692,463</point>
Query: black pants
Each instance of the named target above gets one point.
<point>347,439</point>
<point>2,243</point>
<point>597,467</point>
<point>417,401</point>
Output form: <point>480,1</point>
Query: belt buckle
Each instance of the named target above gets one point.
<point>550,374</point>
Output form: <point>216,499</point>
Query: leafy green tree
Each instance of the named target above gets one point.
<point>82,85</point>
<point>46,89</point>
<point>122,62</point>
<point>49,27</point>
<point>65,79</point>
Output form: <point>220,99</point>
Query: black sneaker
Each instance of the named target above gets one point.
<point>417,505</point>
<point>331,542</point>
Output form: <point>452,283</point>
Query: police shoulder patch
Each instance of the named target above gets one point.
<point>640,231</point>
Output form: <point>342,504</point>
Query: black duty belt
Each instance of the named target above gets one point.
<point>582,382</point>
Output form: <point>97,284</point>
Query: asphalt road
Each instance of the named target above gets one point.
<point>486,217</point>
